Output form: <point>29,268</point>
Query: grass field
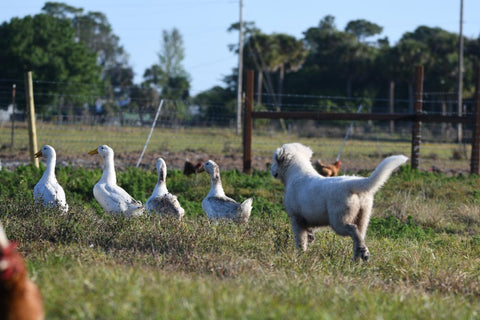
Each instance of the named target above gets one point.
<point>424,237</point>
<point>424,243</point>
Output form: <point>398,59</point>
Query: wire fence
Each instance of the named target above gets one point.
<point>192,131</point>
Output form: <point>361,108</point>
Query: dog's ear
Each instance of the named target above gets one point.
<point>308,152</point>
<point>280,155</point>
<point>303,150</point>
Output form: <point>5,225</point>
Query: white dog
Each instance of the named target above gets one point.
<point>311,201</point>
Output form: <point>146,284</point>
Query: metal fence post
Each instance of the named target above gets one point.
<point>248,124</point>
<point>475,158</point>
<point>417,125</point>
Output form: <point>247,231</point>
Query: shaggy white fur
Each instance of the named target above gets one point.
<point>344,202</point>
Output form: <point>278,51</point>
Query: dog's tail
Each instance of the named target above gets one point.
<point>379,176</point>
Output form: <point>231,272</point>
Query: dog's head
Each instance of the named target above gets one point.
<point>288,155</point>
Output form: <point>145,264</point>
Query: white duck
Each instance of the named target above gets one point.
<point>48,191</point>
<point>162,201</point>
<point>217,205</point>
<point>109,195</point>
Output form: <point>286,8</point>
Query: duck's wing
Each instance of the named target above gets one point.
<point>115,199</point>
<point>165,205</point>
<point>44,192</point>
<point>50,193</point>
<point>118,194</point>
<point>60,197</point>
<point>221,207</point>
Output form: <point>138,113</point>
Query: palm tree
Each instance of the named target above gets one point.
<point>291,56</point>
<point>259,55</point>
<point>408,53</point>
<point>280,53</point>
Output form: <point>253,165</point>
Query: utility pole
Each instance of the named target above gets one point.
<point>240,71</point>
<point>460,75</point>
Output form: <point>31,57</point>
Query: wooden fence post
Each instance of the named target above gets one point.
<point>475,158</point>
<point>417,125</point>
<point>248,124</point>
<point>32,130</point>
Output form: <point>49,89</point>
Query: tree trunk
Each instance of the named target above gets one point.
<point>349,86</point>
<point>281,76</point>
<point>410,97</point>
<point>259,87</point>
<point>140,115</point>
<point>444,112</point>
<point>392,105</point>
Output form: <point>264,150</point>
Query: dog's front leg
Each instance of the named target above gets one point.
<point>300,233</point>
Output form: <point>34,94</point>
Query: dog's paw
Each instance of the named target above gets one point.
<point>363,253</point>
<point>310,237</point>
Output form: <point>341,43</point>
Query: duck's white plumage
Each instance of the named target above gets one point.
<point>217,205</point>
<point>48,191</point>
<point>161,201</point>
<point>109,195</point>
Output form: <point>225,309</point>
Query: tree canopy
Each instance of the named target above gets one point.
<point>169,75</point>
<point>67,46</point>
<point>46,46</point>
<point>341,63</point>
<point>363,29</point>
<point>93,30</point>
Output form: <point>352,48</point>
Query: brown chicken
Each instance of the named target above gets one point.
<point>20,298</point>
<point>327,170</point>
<point>190,168</point>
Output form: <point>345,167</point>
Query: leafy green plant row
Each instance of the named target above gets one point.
<point>268,193</point>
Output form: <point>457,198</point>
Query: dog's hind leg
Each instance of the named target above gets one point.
<point>363,218</point>
<point>310,235</point>
<point>360,250</point>
<point>300,233</point>
<point>359,247</point>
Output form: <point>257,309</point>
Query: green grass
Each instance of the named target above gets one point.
<point>423,239</point>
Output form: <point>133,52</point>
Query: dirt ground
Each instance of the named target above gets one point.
<point>176,160</point>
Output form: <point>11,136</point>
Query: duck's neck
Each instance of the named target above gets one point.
<point>160,187</point>
<point>216,188</point>
<point>109,174</point>
<point>49,173</point>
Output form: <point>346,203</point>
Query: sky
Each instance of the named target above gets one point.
<point>203,24</point>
